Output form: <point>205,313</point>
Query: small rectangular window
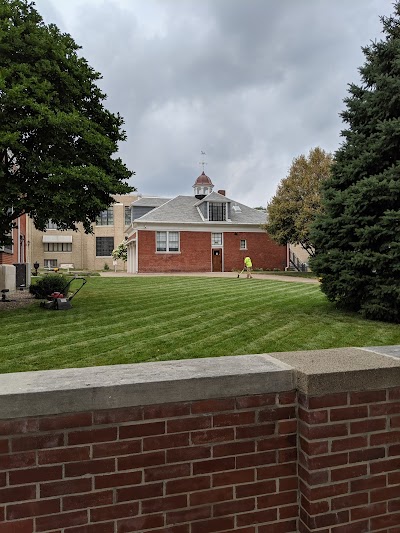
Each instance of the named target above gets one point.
<point>216,211</point>
<point>104,246</point>
<point>173,241</point>
<point>167,241</point>
<point>161,241</point>
<point>58,247</point>
<point>128,219</point>
<point>216,239</point>
<point>51,225</point>
<point>243,244</point>
<point>106,218</point>
<point>50,263</point>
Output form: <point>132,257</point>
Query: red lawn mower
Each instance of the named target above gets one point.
<point>61,301</point>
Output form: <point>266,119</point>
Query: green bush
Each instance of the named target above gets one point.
<point>47,285</point>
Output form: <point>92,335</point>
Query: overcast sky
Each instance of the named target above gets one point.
<point>253,83</point>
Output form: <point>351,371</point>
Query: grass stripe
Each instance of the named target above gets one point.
<point>124,320</point>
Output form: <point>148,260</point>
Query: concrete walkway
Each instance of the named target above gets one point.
<point>256,275</point>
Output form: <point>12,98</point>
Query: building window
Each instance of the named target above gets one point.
<point>216,211</point>
<point>167,241</point>
<point>106,218</point>
<point>128,219</point>
<point>104,246</point>
<point>50,263</point>
<point>243,244</point>
<point>58,247</point>
<point>51,225</point>
<point>216,239</point>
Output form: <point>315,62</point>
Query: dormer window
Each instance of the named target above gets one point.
<point>216,211</point>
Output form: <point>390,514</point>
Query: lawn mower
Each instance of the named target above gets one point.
<point>61,301</point>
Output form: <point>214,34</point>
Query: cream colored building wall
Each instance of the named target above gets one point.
<point>300,252</point>
<point>83,255</point>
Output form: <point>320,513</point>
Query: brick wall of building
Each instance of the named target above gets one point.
<point>194,255</point>
<point>219,465</point>
<point>196,252</point>
<point>19,246</point>
<point>264,252</point>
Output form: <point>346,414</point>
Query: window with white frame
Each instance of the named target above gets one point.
<point>216,239</point>
<point>167,241</point>
<point>106,218</point>
<point>243,244</point>
<point>50,263</point>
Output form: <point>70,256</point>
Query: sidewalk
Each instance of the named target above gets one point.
<point>255,275</point>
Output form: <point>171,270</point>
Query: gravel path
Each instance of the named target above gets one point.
<point>18,299</point>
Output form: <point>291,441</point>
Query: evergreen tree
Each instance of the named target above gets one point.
<point>57,141</point>
<point>357,236</point>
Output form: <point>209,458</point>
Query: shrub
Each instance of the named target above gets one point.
<point>106,267</point>
<point>47,285</point>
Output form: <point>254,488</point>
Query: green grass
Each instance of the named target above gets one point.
<point>127,320</point>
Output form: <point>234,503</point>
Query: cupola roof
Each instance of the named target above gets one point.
<point>203,180</point>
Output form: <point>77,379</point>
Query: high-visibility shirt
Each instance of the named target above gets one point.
<point>247,262</point>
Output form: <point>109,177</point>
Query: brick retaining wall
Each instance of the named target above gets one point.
<point>211,445</point>
<point>214,465</point>
<point>349,462</point>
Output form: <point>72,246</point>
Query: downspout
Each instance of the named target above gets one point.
<point>19,242</point>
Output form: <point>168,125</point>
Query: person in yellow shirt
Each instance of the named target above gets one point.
<point>248,265</point>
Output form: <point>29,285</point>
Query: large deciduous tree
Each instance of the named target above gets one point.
<point>357,236</point>
<point>298,200</point>
<point>57,140</point>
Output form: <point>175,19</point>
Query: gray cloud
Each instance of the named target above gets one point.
<point>254,83</point>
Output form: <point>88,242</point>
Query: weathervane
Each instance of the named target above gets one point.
<point>203,162</point>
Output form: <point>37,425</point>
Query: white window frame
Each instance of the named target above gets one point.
<point>245,244</point>
<point>214,241</point>
<point>167,241</point>
<point>47,263</point>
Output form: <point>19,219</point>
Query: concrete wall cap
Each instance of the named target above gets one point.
<point>25,394</point>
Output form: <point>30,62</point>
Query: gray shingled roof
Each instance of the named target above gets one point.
<point>182,209</point>
<point>150,201</point>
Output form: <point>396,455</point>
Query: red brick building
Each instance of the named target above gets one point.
<point>15,253</point>
<point>206,232</point>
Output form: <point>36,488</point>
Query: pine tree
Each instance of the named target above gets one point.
<point>357,237</point>
<point>57,140</point>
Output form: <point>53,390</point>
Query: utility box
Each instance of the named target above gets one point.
<point>7,277</point>
<point>22,275</point>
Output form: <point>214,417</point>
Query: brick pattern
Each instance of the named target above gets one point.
<point>7,258</point>
<point>196,252</point>
<point>225,465</point>
<point>349,462</point>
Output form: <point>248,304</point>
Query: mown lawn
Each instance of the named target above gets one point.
<point>127,320</point>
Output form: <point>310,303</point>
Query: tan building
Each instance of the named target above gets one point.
<point>76,249</point>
